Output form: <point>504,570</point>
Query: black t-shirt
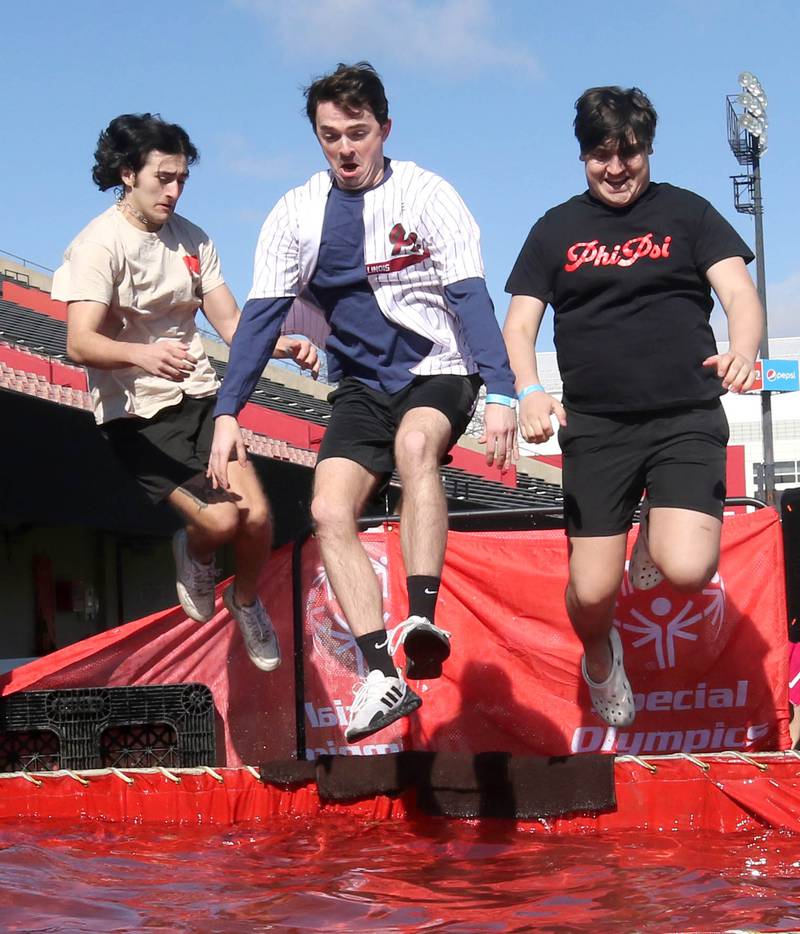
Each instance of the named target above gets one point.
<point>631,299</point>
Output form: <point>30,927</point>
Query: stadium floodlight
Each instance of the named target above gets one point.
<point>747,137</point>
<point>750,83</point>
<point>752,124</point>
<point>751,104</point>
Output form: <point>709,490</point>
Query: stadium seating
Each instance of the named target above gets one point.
<point>36,331</point>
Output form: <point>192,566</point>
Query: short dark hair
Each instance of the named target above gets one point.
<point>611,113</point>
<point>127,141</point>
<point>352,87</point>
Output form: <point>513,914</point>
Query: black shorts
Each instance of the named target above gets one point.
<point>678,456</point>
<point>364,421</point>
<point>167,450</point>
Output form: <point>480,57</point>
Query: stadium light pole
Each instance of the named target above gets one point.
<point>747,137</point>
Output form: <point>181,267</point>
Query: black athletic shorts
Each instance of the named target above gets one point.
<point>364,421</point>
<point>677,455</point>
<point>167,450</point>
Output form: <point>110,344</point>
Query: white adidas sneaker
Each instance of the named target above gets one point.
<point>378,700</point>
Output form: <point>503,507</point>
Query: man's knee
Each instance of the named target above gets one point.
<point>219,522</point>
<point>255,517</point>
<point>595,594</point>
<point>332,514</point>
<point>415,450</point>
<point>688,574</point>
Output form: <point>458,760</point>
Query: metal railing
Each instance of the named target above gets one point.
<point>27,262</point>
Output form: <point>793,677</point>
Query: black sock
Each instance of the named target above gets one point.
<point>377,659</point>
<point>422,594</point>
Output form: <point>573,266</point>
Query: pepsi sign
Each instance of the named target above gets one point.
<point>780,375</point>
<point>776,376</point>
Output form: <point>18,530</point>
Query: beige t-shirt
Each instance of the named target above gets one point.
<point>152,283</point>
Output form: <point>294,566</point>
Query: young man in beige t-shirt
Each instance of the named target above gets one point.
<point>134,278</point>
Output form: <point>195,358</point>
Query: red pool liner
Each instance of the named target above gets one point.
<point>723,792</point>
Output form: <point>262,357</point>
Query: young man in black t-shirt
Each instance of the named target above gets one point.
<point>628,267</point>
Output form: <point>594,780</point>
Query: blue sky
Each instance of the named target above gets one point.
<point>480,92</point>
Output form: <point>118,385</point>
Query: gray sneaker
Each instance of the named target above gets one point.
<point>194,580</point>
<point>259,636</point>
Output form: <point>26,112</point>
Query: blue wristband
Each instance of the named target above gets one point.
<point>534,387</point>
<point>496,398</point>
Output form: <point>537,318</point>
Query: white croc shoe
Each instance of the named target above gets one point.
<point>613,698</point>
<point>642,572</point>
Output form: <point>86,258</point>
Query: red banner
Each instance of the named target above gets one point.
<point>709,670</point>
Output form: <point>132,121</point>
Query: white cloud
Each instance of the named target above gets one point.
<point>456,36</point>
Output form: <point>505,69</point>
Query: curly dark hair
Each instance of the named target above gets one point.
<point>352,87</point>
<point>127,141</point>
<point>611,113</point>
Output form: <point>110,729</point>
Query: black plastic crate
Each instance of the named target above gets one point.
<point>91,728</point>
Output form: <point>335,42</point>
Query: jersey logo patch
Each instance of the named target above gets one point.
<point>407,250</point>
<point>192,264</point>
<point>594,253</point>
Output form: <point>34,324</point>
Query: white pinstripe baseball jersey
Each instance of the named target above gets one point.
<point>419,238</point>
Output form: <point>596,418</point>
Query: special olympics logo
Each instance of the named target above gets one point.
<point>331,633</point>
<point>670,624</point>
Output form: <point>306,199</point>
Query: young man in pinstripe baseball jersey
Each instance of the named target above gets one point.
<point>380,261</point>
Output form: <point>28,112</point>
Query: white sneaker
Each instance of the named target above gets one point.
<point>259,636</point>
<point>642,572</point>
<point>378,700</point>
<point>426,646</point>
<point>613,698</point>
<point>194,581</point>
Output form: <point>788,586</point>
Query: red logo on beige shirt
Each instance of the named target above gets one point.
<point>192,264</point>
<point>592,252</point>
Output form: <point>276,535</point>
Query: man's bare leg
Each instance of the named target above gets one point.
<point>213,518</point>
<point>341,490</point>
<point>210,516</point>
<point>216,517</point>
<point>252,541</point>
<point>421,442</point>
<point>596,566</point>
<point>684,545</point>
